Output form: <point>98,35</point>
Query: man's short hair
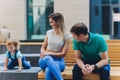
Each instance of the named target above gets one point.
<point>79,28</point>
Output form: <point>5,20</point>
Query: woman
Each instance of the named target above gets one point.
<point>54,48</point>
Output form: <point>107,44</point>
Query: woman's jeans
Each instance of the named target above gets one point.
<point>53,67</point>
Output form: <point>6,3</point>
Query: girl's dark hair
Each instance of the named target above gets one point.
<point>79,28</point>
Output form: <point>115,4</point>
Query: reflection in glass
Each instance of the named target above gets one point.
<point>37,18</point>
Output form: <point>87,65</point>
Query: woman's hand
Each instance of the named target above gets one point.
<point>42,54</point>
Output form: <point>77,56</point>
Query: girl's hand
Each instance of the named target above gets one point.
<point>5,69</point>
<point>19,70</point>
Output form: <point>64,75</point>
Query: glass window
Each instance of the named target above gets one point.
<point>37,18</point>
<point>105,1</point>
<point>95,17</point>
<point>96,10</point>
<point>114,1</point>
<point>105,19</point>
<point>101,18</point>
<point>116,28</point>
<point>116,24</point>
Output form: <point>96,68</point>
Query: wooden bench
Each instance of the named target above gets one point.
<point>26,43</point>
<point>114,54</point>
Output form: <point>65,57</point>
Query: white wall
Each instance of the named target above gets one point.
<point>73,10</point>
<point>13,15</point>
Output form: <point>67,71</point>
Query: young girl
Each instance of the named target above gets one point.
<point>15,56</point>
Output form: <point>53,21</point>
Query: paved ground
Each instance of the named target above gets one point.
<point>2,58</point>
<point>25,74</point>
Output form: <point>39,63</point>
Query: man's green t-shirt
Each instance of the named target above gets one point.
<point>92,49</point>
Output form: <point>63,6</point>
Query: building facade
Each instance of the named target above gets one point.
<point>28,19</point>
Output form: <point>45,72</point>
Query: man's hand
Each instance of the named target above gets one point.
<point>89,68</point>
<point>85,70</point>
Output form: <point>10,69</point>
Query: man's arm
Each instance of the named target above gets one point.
<point>103,53</point>
<point>104,59</point>
<point>101,63</point>
<point>80,63</point>
<point>78,58</point>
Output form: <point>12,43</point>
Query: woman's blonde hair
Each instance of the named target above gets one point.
<point>14,42</point>
<point>59,17</point>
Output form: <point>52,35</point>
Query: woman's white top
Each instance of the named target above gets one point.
<point>55,41</point>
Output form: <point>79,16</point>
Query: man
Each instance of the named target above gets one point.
<point>4,34</point>
<point>90,53</point>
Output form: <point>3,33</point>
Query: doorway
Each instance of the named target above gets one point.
<point>115,22</point>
